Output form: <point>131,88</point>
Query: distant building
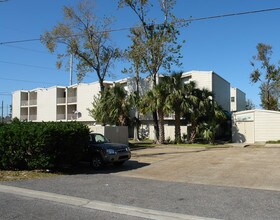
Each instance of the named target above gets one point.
<point>57,103</point>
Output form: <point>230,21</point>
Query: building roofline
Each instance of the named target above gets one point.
<point>256,110</point>
<point>237,89</point>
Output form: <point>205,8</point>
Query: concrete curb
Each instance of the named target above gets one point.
<point>99,205</point>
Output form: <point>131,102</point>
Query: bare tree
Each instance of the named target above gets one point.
<point>268,75</point>
<point>87,38</point>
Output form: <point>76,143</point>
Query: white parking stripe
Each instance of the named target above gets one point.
<point>98,205</point>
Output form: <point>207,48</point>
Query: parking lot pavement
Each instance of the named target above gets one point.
<point>250,167</point>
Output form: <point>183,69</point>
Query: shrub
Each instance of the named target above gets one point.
<point>29,145</point>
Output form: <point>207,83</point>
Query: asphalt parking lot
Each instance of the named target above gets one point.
<point>248,167</point>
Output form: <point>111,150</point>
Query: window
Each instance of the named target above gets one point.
<point>232,99</point>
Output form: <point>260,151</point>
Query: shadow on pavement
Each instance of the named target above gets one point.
<point>170,153</point>
<point>84,168</point>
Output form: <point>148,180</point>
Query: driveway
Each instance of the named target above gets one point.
<point>250,167</point>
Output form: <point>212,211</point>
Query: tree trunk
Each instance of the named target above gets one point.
<point>178,138</point>
<point>193,134</point>
<point>156,127</point>
<point>136,127</point>
<point>161,126</point>
<point>136,133</point>
<point>102,87</point>
<point>155,115</point>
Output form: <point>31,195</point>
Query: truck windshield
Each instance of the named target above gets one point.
<point>98,138</point>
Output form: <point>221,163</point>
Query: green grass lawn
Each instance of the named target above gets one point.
<point>147,144</point>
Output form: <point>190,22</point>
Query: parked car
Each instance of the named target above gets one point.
<point>102,151</point>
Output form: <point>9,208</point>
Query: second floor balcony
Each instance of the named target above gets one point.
<point>72,99</point>
<point>24,103</point>
<point>61,100</point>
<point>33,102</point>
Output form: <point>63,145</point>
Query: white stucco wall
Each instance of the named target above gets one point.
<point>239,103</point>
<point>85,96</point>
<point>16,104</point>
<point>169,131</point>
<point>256,126</point>
<point>267,125</point>
<point>203,79</point>
<point>221,90</point>
<point>46,104</point>
<point>116,134</point>
<point>212,82</point>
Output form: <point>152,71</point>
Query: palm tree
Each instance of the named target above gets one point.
<point>111,107</point>
<point>198,107</point>
<point>204,115</point>
<point>154,100</point>
<point>178,99</point>
<point>214,117</point>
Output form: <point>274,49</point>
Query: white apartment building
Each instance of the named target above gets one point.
<point>57,103</point>
<point>214,83</point>
<point>237,100</point>
<point>204,80</point>
<point>67,103</point>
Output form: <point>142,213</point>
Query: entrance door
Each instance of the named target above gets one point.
<point>245,132</point>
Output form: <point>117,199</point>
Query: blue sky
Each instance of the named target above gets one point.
<point>224,45</point>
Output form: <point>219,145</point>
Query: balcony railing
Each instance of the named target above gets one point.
<point>24,103</point>
<point>23,117</point>
<point>70,116</point>
<point>33,102</point>
<point>72,99</point>
<point>61,100</point>
<point>32,117</point>
<point>60,117</point>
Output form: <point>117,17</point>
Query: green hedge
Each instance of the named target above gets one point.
<point>31,145</point>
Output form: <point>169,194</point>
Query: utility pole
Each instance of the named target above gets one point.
<point>71,69</point>
<point>2,108</point>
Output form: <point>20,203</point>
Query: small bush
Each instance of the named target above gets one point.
<point>29,145</point>
<point>273,142</point>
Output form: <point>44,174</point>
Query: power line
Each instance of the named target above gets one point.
<point>231,15</point>
<point>181,21</point>
<point>27,65</point>
<point>5,94</point>
<point>23,48</point>
<point>19,41</point>
<point>27,81</point>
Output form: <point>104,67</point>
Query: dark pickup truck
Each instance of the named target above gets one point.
<point>101,151</point>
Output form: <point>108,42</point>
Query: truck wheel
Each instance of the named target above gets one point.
<point>96,162</point>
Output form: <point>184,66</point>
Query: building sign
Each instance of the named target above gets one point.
<point>245,117</point>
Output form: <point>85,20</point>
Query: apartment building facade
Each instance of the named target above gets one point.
<point>68,103</point>
<point>214,83</point>
<point>57,103</point>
